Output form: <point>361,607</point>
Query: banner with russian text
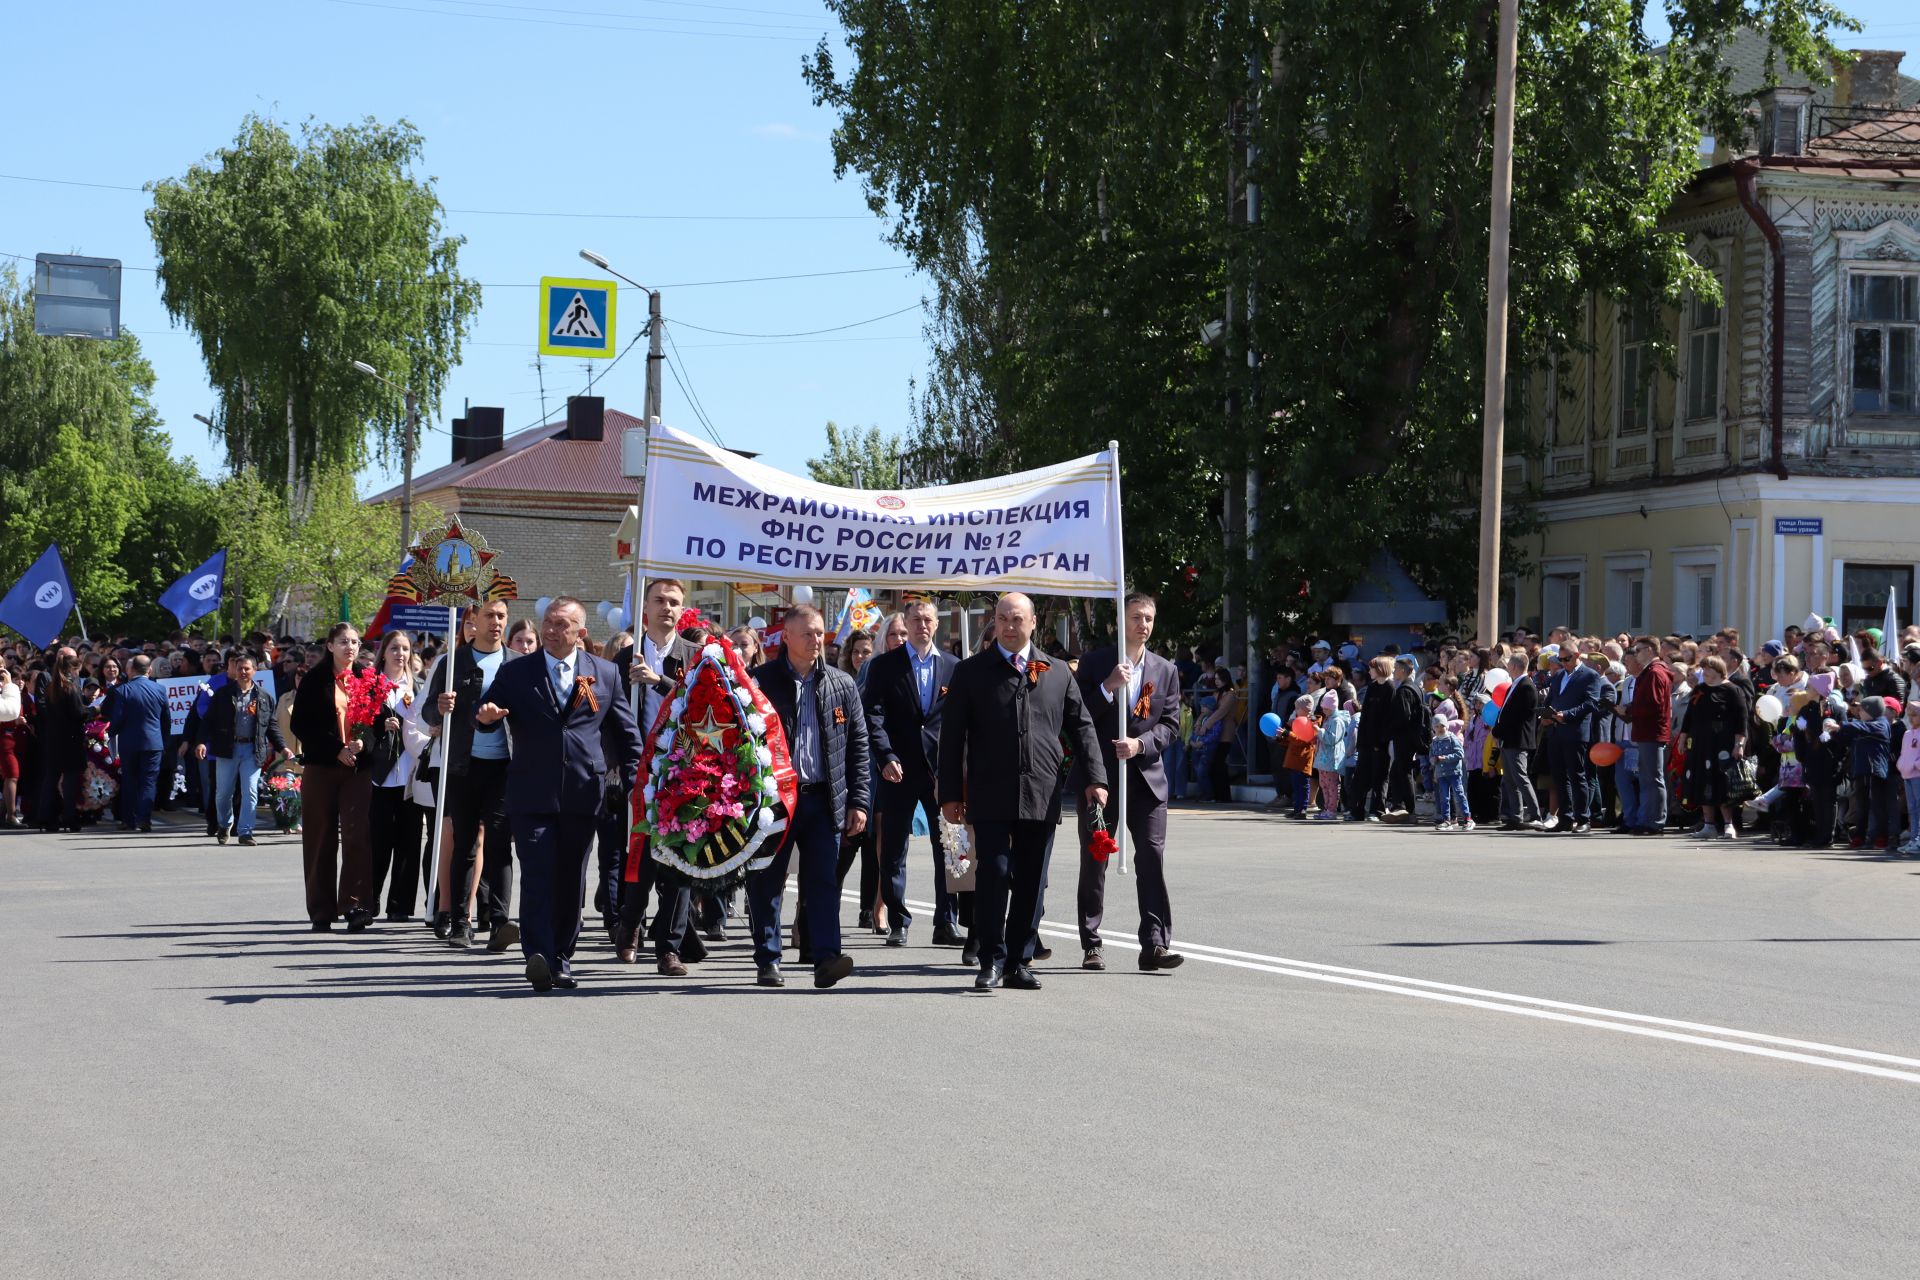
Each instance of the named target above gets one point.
<point>712,514</point>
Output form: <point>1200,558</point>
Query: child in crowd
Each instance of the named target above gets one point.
<point>1869,744</point>
<point>1909,768</point>
<point>1297,760</point>
<point>1331,754</point>
<point>1449,757</point>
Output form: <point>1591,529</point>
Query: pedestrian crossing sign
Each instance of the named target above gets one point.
<point>576,317</point>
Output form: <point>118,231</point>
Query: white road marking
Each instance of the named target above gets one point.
<point>1638,1024</point>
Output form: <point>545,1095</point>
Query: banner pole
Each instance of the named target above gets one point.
<point>1120,650</point>
<point>440,791</point>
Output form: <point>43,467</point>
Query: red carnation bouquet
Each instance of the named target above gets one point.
<point>367,694</point>
<point>1101,844</point>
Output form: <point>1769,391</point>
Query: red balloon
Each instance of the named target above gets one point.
<point>1605,753</point>
<point>1302,728</point>
<point>1499,695</point>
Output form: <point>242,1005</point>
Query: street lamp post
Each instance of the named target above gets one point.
<point>655,354</point>
<point>1493,426</point>
<point>411,443</point>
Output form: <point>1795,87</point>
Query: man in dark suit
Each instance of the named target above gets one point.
<point>1000,764</point>
<point>1572,697</point>
<point>475,768</point>
<point>568,725</point>
<point>1517,730</point>
<point>1411,734</point>
<point>1145,688</point>
<point>906,690</point>
<point>819,707</point>
<point>139,715</point>
<point>654,665</point>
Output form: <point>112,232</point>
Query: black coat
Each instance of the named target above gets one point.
<point>62,728</point>
<point>1376,718</point>
<point>315,721</point>
<point>901,733</point>
<point>1156,730</point>
<point>843,729</point>
<point>467,678</point>
<point>218,725</point>
<point>1518,728</point>
<point>1000,738</point>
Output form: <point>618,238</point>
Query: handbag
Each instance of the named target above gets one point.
<point>1743,781</point>
<point>384,751</point>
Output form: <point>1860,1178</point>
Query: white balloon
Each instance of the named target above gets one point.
<point>617,618</point>
<point>604,608</point>
<point>757,622</point>
<point>1496,678</point>
<point>1769,708</point>
<point>540,605</point>
<point>803,594</point>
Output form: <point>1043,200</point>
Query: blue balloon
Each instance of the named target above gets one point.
<point>1490,713</point>
<point>1270,725</point>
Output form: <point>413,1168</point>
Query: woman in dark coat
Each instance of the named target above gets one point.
<point>1716,731</point>
<point>63,746</point>
<point>336,791</point>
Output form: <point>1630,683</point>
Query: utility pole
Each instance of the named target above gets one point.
<point>654,356</point>
<point>406,471</point>
<point>1493,425</point>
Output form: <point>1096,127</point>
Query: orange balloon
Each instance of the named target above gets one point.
<point>1605,753</point>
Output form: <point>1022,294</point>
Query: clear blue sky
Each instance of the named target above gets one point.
<point>654,107</point>
<point>645,108</point>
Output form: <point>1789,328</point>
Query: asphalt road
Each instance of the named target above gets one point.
<point>1728,1085</point>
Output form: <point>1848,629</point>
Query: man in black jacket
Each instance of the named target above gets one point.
<point>906,690</point>
<point>1410,732</point>
<point>475,775</point>
<point>1518,733</point>
<point>819,707</point>
<point>1000,762</point>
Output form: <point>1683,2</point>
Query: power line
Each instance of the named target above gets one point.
<point>690,401</point>
<point>556,22</point>
<point>698,407</point>
<point>806,333</point>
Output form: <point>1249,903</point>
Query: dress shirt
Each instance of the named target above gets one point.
<point>923,674</point>
<point>655,656</point>
<point>560,671</point>
<point>807,760</point>
<point>1133,683</point>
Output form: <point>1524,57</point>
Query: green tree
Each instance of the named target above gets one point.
<point>347,548</point>
<point>82,497</point>
<point>864,451</point>
<point>292,258</point>
<point>252,520</point>
<point>1088,218</point>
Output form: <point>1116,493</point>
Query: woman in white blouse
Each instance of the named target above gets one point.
<point>394,817</point>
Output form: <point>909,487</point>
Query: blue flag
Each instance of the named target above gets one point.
<point>39,603</point>
<point>197,592</point>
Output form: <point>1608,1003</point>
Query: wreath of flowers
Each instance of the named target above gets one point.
<point>716,784</point>
<point>100,782</point>
<point>283,800</point>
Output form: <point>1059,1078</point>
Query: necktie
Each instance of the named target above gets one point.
<point>1020,663</point>
<point>560,681</point>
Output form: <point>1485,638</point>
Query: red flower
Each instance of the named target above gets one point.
<point>1102,846</point>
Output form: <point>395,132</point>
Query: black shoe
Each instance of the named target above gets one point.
<point>716,933</point>
<point>897,936</point>
<point>249,842</point>
<point>505,934</point>
<point>1152,958</point>
<point>220,837</point>
<point>146,828</point>
<point>321,926</point>
<point>1022,979</point>
<point>865,921</point>
<point>442,925</point>
<point>970,953</point>
<point>1041,951</point>
<point>1513,826</point>
<point>539,974</point>
<point>990,977</point>
<point>828,972</point>
<point>461,935</point>
<point>565,980</point>
<point>769,975</point>
<point>358,920</point>
<point>398,917</point>
<point>945,935</point>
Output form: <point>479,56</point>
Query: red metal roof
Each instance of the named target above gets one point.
<point>540,460</point>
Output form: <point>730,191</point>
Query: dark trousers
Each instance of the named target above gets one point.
<point>1883,808</point>
<point>1012,860</point>
<point>139,771</point>
<point>614,835</point>
<point>477,802</point>
<point>816,840</point>
<point>1400,778</point>
<point>1371,795</point>
<point>897,801</point>
<point>673,922</point>
<point>60,795</point>
<point>1146,859</point>
<point>861,848</point>
<point>553,849</point>
<point>1821,806</point>
<point>396,825</point>
<point>1567,761</point>
<point>334,803</point>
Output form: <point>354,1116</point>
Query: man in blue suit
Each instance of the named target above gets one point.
<point>1573,694</point>
<point>906,688</point>
<point>568,725</point>
<point>139,716</point>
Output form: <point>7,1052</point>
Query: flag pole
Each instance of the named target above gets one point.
<point>1120,651</point>
<point>82,619</point>
<point>440,791</point>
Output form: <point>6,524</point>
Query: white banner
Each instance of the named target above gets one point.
<point>712,514</point>
<point>183,691</point>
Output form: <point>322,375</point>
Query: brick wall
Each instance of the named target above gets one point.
<point>550,549</point>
